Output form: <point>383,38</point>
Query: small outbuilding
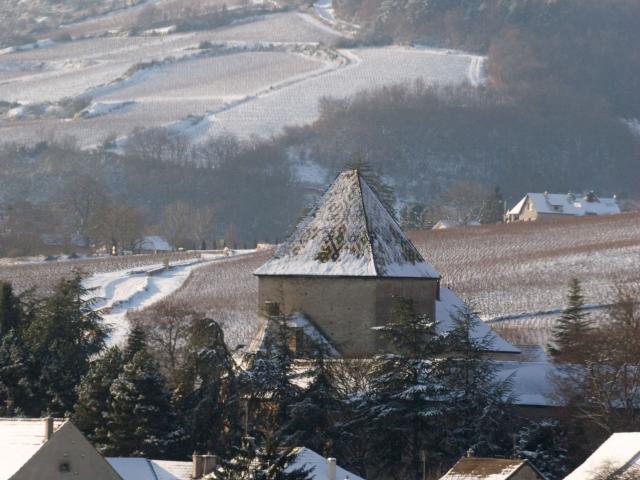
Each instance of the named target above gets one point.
<point>477,468</point>
<point>617,457</point>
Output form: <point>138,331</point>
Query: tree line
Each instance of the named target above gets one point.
<point>420,405</point>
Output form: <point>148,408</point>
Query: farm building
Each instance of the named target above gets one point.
<point>343,266</point>
<point>48,448</point>
<point>538,206</point>
<point>476,468</point>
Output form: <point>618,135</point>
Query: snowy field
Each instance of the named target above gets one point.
<point>43,275</point>
<point>260,76</point>
<point>516,275</point>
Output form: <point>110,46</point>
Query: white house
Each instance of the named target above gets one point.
<point>48,448</point>
<point>619,455</point>
<point>536,206</point>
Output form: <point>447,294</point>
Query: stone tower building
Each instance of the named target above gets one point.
<point>344,264</point>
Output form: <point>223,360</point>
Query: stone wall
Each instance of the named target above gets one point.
<point>345,308</point>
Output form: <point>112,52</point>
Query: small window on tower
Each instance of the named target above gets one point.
<point>64,467</point>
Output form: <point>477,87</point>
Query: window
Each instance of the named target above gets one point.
<point>64,467</point>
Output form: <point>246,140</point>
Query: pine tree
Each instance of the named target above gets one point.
<point>400,412</point>
<point>207,393</point>
<point>571,331</point>
<point>544,443</point>
<point>10,309</point>
<point>312,419</point>
<point>476,410</point>
<point>136,341</point>
<point>19,386</point>
<point>91,414</point>
<point>64,335</point>
<point>272,374</point>
<point>142,421</point>
<point>492,208</point>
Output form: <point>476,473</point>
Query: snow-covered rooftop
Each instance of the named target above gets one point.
<point>20,439</point>
<point>130,468</point>
<point>350,233</point>
<point>449,306</point>
<point>155,242</point>
<point>568,204</point>
<point>308,459</point>
<point>474,468</point>
<point>619,453</point>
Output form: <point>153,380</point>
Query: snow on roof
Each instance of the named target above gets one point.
<point>450,305</point>
<point>307,458</point>
<point>350,233</point>
<point>20,439</point>
<point>531,381</point>
<point>620,452</point>
<point>130,468</point>
<point>155,242</point>
<point>568,204</point>
<point>474,468</point>
<point>298,319</point>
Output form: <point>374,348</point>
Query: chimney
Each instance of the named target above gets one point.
<point>332,468</point>
<point>470,453</point>
<point>197,464</point>
<point>209,462</point>
<point>296,339</point>
<point>48,428</point>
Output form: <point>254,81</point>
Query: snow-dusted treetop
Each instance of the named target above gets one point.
<point>349,233</point>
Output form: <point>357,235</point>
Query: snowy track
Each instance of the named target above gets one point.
<point>116,293</point>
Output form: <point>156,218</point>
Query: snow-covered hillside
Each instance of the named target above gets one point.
<point>252,77</point>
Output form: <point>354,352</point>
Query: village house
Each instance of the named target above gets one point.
<point>49,449</point>
<point>617,457</point>
<point>477,468</point>
<point>344,264</point>
<point>539,206</point>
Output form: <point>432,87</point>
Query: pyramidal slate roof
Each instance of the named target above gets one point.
<point>350,233</point>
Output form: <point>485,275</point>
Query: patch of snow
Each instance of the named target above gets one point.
<point>97,109</point>
<point>324,8</point>
<point>634,125</point>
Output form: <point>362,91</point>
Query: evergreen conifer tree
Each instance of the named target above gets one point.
<point>400,412</point>
<point>493,207</point>
<point>136,341</point>
<point>63,337</point>
<point>207,393</point>
<point>476,411</point>
<point>571,331</point>
<point>10,309</point>
<point>272,373</point>
<point>142,421</point>
<point>91,414</point>
<point>312,419</point>
<point>19,386</point>
<point>544,443</point>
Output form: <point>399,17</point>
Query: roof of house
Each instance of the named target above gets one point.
<point>475,468</point>
<point>20,439</point>
<point>448,308</point>
<point>349,233</point>
<point>619,453</point>
<point>131,468</point>
<point>567,204</point>
<point>308,459</point>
